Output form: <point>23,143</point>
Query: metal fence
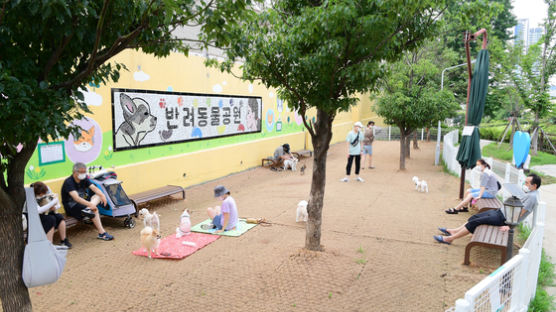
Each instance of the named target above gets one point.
<point>512,286</point>
<point>390,133</point>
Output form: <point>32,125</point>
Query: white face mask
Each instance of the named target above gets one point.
<point>478,168</point>
<point>525,188</point>
<point>82,176</point>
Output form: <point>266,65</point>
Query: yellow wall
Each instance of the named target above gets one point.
<point>190,75</point>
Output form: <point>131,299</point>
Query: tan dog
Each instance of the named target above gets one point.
<point>150,240</point>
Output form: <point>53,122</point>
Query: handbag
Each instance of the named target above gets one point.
<point>43,262</point>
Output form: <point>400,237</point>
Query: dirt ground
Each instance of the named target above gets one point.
<point>379,252</point>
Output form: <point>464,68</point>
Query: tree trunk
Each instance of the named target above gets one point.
<point>513,133</point>
<point>13,293</point>
<point>321,143</point>
<point>415,140</point>
<point>407,141</point>
<point>535,138</point>
<point>402,150</point>
<point>428,134</point>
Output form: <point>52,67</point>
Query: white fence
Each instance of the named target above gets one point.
<point>512,286</point>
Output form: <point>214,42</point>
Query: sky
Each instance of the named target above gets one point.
<point>534,10</point>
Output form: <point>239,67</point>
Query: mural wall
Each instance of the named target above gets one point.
<point>145,118</point>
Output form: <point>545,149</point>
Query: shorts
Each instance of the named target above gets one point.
<point>50,220</point>
<point>217,221</point>
<point>368,149</point>
<point>75,210</point>
<point>490,217</point>
<point>475,193</point>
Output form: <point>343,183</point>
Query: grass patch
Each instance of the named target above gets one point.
<point>446,170</point>
<point>360,250</point>
<point>504,152</point>
<point>543,302</point>
<point>361,261</point>
<point>523,232</point>
<point>545,178</point>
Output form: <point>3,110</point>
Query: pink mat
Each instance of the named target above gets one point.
<point>171,247</point>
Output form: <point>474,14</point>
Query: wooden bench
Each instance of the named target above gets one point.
<point>485,204</point>
<point>272,163</point>
<point>303,154</point>
<point>488,236</point>
<point>157,193</point>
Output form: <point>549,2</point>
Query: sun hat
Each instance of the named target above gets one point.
<point>220,190</point>
<point>358,124</point>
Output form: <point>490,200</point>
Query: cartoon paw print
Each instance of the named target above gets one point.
<point>180,101</point>
<point>162,103</point>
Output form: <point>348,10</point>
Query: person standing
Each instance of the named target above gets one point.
<point>354,139</point>
<point>368,145</point>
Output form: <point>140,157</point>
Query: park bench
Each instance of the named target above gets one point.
<point>303,154</point>
<point>488,236</point>
<point>156,193</point>
<point>485,204</point>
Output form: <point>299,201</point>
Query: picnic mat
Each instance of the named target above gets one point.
<point>172,247</point>
<point>241,228</point>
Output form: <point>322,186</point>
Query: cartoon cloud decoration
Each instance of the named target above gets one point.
<point>91,98</point>
<point>140,75</point>
<point>217,88</point>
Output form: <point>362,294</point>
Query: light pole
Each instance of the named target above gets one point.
<point>437,153</point>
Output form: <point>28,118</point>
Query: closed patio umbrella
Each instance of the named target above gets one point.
<point>470,149</point>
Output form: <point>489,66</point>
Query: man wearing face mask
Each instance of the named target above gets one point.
<point>495,217</point>
<point>80,198</point>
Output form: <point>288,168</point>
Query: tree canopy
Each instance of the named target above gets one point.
<point>322,54</point>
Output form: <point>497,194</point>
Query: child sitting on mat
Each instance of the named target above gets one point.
<point>224,218</point>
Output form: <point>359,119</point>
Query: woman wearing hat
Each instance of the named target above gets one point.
<point>224,217</point>
<point>354,139</point>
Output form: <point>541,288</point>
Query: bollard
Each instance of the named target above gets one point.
<point>389,132</point>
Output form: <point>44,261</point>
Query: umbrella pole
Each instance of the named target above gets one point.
<point>468,37</point>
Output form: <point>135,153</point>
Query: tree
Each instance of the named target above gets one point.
<point>531,69</point>
<point>49,50</point>
<point>411,97</point>
<point>320,54</point>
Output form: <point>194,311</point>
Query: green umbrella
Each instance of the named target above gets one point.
<point>470,149</point>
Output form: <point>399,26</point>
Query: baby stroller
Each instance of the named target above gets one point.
<point>117,202</point>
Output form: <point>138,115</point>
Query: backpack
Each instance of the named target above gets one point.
<point>499,185</point>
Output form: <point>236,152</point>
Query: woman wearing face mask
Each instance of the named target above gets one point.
<point>48,204</point>
<point>224,218</point>
<point>488,188</point>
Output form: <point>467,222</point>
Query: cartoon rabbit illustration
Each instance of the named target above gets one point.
<point>138,121</point>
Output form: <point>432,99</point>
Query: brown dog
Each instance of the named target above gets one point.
<point>150,240</point>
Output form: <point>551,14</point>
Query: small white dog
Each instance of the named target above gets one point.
<point>149,219</point>
<point>302,211</point>
<point>291,163</point>
<point>420,186</point>
<point>185,225</point>
<point>24,222</point>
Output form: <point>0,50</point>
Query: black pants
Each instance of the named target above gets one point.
<point>490,217</point>
<point>357,164</point>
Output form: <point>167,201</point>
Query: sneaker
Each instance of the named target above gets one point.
<point>66,243</point>
<point>344,180</point>
<point>360,179</point>
<point>371,167</point>
<point>87,212</point>
<point>207,226</point>
<point>105,236</point>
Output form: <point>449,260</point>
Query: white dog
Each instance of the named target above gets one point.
<point>149,219</point>
<point>291,163</point>
<point>185,225</point>
<point>420,186</point>
<point>301,211</point>
<point>24,222</point>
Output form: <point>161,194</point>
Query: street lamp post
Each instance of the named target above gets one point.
<point>437,152</point>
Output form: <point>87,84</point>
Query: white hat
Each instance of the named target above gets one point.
<point>358,124</point>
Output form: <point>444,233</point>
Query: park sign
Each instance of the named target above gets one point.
<point>142,118</point>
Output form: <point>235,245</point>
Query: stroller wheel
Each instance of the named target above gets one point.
<point>129,222</point>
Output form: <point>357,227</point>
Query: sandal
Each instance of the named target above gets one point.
<point>451,211</point>
<point>441,240</point>
<point>444,231</point>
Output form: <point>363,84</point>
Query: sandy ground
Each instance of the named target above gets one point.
<point>379,252</point>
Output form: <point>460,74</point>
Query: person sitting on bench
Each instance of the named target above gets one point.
<point>77,201</point>
<point>282,153</point>
<point>488,189</point>
<point>494,217</point>
<point>50,220</point>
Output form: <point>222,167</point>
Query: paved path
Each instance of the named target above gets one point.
<point>546,169</point>
<point>548,195</point>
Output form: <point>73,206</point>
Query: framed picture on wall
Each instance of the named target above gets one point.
<point>51,153</point>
